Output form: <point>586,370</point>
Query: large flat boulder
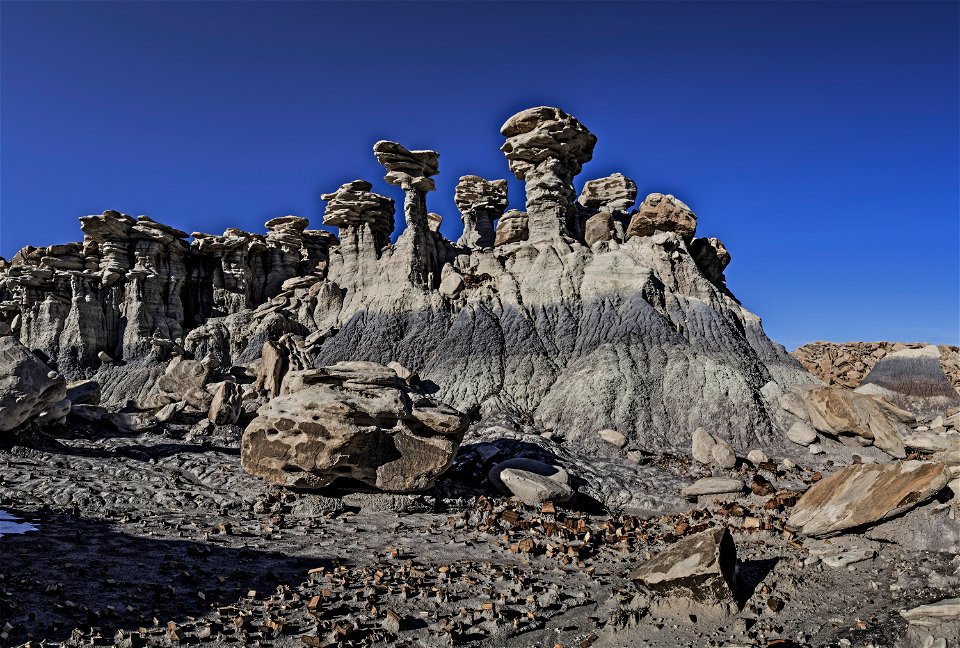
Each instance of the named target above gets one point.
<point>28,387</point>
<point>865,494</point>
<point>837,410</point>
<point>355,420</point>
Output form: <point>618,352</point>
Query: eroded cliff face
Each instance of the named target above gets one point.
<point>585,314</point>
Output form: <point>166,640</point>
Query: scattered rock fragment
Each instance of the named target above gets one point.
<point>613,437</point>
<point>712,486</point>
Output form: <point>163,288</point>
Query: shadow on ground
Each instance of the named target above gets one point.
<point>82,573</point>
<point>750,574</point>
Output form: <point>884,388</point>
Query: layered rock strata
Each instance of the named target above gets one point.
<point>412,171</point>
<point>481,202</point>
<point>547,148</point>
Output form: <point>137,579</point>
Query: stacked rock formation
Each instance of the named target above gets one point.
<point>604,203</point>
<point>480,202</point>
<point>412,171</point>
<point>364,220</point>
<point>547,148</point>
<point>542,329</point>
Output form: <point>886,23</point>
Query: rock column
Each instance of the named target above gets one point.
<point>412,171</point>
<point>365,220</point>
<point>547,148</point>
<point>480,203</point>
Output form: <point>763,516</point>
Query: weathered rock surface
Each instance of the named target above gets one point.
<point>865,494</point>
<point>835,410</point>
<point>28,387</point>
<point>480,202</point>
<point>701,567</point>
<point>356,420</point>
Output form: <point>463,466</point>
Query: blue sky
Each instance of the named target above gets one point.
<point>818,140</point>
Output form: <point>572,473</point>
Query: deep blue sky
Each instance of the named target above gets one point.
<point>818,140</point>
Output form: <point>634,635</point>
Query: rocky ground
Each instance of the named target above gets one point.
<point>559,430</point>
<point>161,539</point>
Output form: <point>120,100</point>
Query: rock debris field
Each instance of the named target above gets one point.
<point>560,430</point>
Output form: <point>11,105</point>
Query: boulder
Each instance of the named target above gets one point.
<point>723,455</point>
<point>614,193</point>
<point>533,489</point>
<point>522,464</point>
<point>792,402</point>
<point>274,362</point>
<point>836,410</point>
<point>702,446</point>
<point>613,437</point>
<point>355,420</point>
<point>865,494</point>
<point>701,567</point>
<point>226,405</point>
<point>802,433</point>
<point>663,213</point>
<point>183,375</point>
<point>599,227</point>
<point>28,387</point>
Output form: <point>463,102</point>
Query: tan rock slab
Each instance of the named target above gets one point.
<point>864,494</point>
